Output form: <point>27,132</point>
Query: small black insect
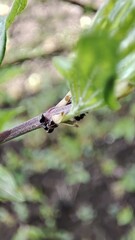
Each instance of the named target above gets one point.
<point>47,124</point>
<point>81,116</point>
<point>50,125</point>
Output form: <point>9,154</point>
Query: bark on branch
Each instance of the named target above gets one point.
<point>33,123</point>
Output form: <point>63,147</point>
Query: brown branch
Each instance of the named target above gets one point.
<point>33,123</point>
<point>58,114</point>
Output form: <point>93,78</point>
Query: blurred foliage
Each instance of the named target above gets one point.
<point>130,235</point>
<point>5,22</point>
<point>125,216</point>
<point>106,48</point>
<point>7,115</point>
<point>127,180</point>
<point>17,7</point>
<point>75,183</point>
<point>86,213</point>
<point>8,73</point>
<point>2,37</point>
<point>8,188</point>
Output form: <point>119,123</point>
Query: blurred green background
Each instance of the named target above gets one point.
<point>74,184</point>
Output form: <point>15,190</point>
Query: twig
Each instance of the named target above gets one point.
<point>85,7</point>
<point>56,114</point>
<point>33,56</point>
<point>33,123</point>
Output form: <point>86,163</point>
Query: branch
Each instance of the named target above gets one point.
<point>33,56</point>
<point>85,7</point>
<point>56,115</point>
<point>34,123</point>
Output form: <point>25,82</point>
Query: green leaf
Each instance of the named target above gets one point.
<point>104,55</point>
<point>2,37</point>
<point>96,63</point>
<point>17,7</point>
<point>63,65</point>
<point>5,22</point>
<point>8,187</point>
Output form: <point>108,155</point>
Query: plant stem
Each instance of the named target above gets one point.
<point>122,89</point>
<point>33,123</point>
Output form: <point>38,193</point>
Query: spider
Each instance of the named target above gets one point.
<point>81,116</point>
